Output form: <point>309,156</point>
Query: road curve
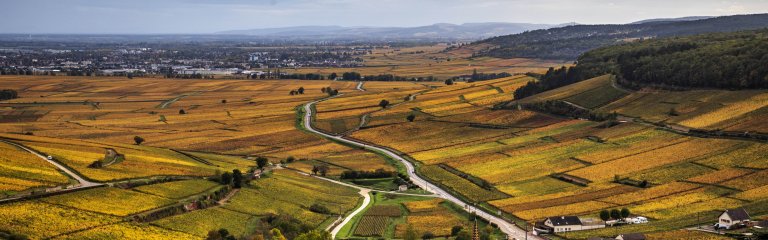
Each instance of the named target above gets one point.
<point>508,228</point>
<point>366,201</point>
<point>83,182</point>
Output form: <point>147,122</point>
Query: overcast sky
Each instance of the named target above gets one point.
<point>207,16</point>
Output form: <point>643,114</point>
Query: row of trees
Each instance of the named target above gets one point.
<point>235,178</point>
<point>15,71</point>
<point>303,76</point>
<point>378,173</point>
<point>7,94</point>
<point>487,76</point>
<point>615,214</point>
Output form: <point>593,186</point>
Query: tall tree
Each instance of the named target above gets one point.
<point>237,178</point>
<point>261,162</point>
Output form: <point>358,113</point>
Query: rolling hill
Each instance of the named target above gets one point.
<point>571,41</point>
<point>468,31</point>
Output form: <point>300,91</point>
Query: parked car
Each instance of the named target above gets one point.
<point>50,157</point>
<point>639,220</point>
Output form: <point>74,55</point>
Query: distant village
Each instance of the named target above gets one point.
<point>174,60</point>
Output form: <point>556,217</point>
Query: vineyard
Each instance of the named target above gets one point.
<point>528,164</point>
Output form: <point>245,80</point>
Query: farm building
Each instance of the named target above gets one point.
<point>567,224</point>
<point>733,217</point>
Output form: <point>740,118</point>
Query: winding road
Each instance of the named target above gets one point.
<point>505,226</point>
<point>82,182</point>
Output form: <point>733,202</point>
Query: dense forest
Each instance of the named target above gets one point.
<point>570,42</point>
<point>717,60</point>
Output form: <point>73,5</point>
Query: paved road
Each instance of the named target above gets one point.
<point>505,226</point>
<point>83,182</point>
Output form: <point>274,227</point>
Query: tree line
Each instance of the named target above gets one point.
<point>7,94</point>
<point>378,173</point>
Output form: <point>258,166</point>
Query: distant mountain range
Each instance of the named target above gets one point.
<point>568,43</point>
<point>467,31</point>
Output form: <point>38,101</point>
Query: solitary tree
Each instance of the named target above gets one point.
<point>449,82</point>
<point>181,111</point>
<point>323,169</point>
<point>605,215</point>
<point>226,178</point>
<point>223,100</point>
<point>290,159</point>
<point>262,162</point>
<point>411,117</point>
<point>301,90</point>
<point>615,214</point>
<point>625,212</point>
<point>428,235</point>
<point>138,140</point>
<point>237,178</point>
<point>320,169</point>
<point>384,103</point>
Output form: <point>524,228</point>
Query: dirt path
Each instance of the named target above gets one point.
<point>168,102</point>
<point>229,195</point>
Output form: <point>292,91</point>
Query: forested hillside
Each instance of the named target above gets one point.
<point>572,41</point>
<point>717,60</point>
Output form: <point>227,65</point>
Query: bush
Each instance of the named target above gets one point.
<point>319,209</point>
<point>138,140</point>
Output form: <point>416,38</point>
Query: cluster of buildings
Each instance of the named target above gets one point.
<point>731,219</point>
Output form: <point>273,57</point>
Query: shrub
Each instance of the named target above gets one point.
<point>319,209</point>
<point>138,140</point>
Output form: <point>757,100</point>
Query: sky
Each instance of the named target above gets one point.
<point>208,16</point>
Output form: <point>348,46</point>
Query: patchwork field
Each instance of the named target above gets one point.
<point>527,164</point>
<point>425,61</point>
